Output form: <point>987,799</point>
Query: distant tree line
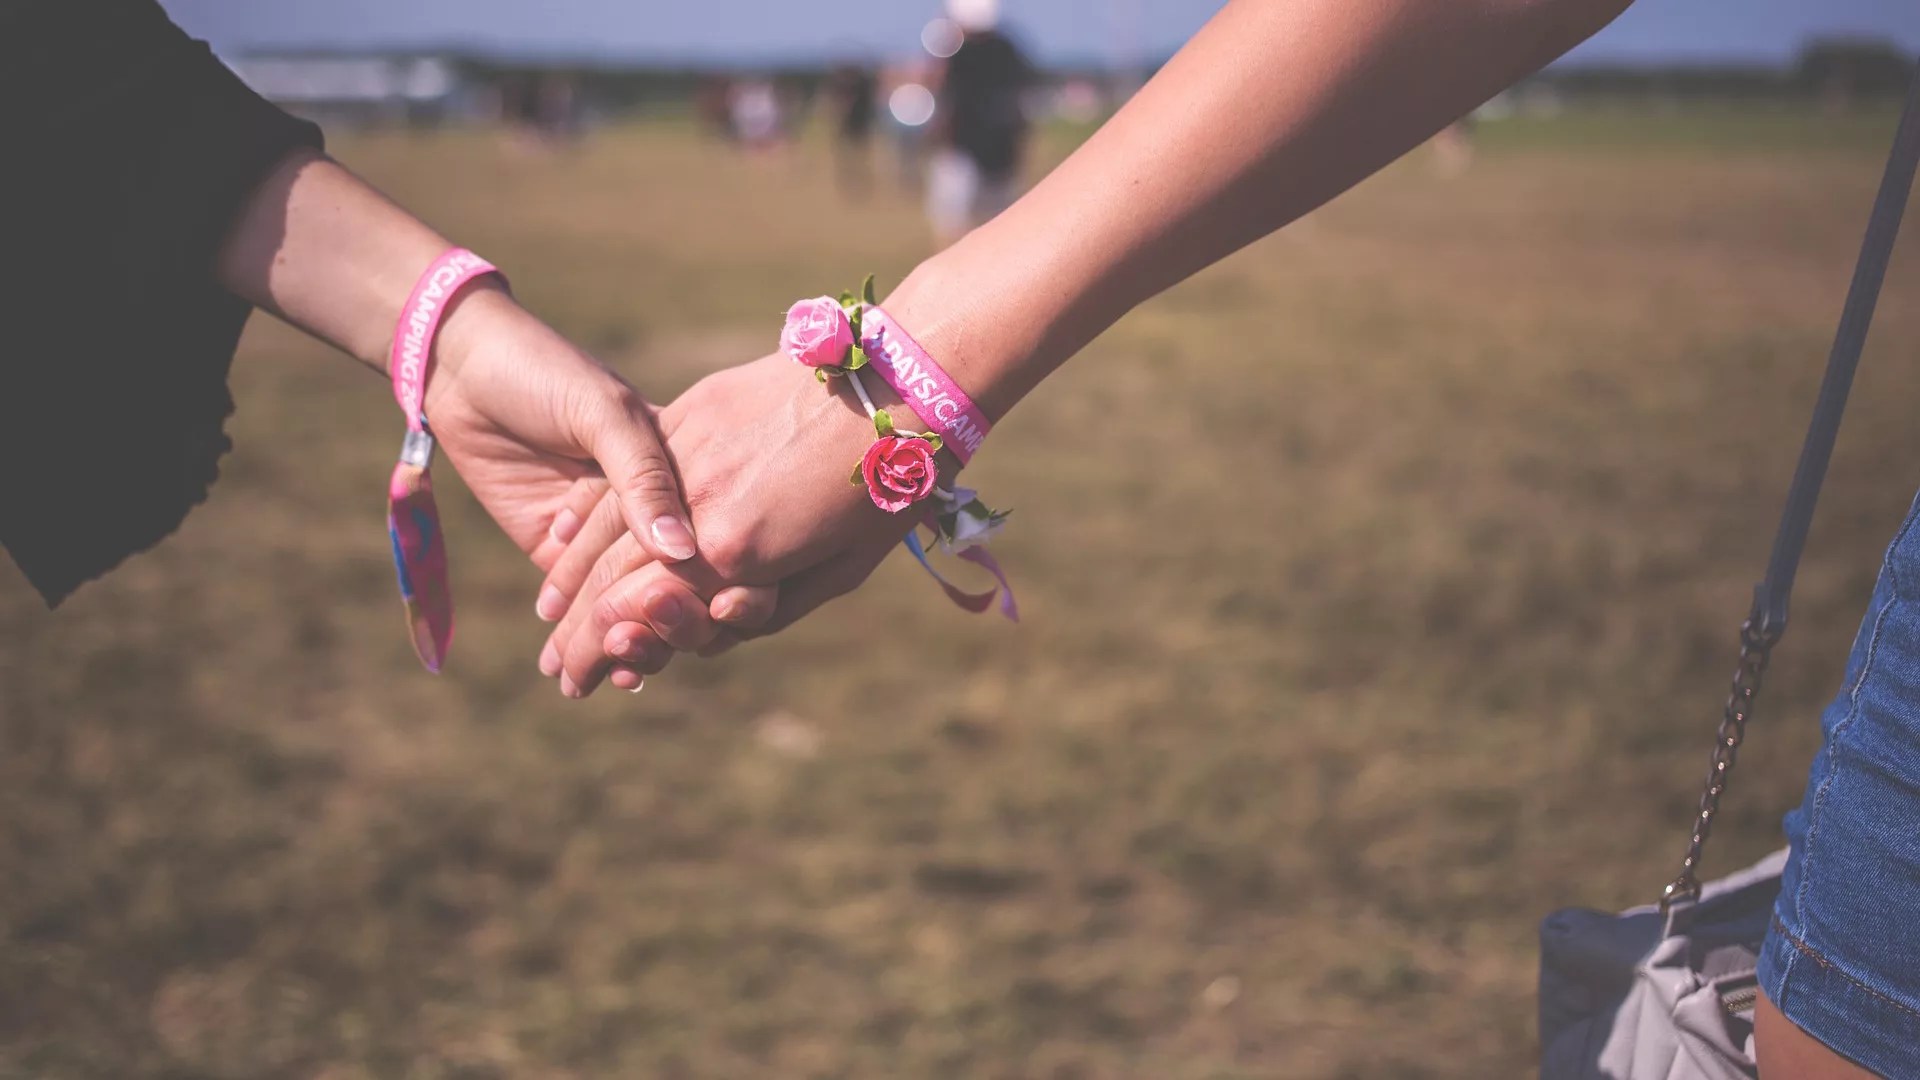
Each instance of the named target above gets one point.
<point>559,96</point>
<point>1837,72</point>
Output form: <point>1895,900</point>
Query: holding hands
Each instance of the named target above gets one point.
<point>587,477</point>
<point>761,451</point>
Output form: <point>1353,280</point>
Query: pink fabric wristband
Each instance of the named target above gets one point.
<point>413,519</point>
<point>412,348</point>
<point>925,387</point>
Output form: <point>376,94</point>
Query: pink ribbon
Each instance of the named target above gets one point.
<point>925,387</point>
<point>974,602</point>
<point>413,520</point>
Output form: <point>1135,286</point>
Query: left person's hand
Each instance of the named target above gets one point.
<point>526,418</point>
<point>523,414</point>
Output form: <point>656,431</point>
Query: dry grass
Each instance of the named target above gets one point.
<point>1368,618</point>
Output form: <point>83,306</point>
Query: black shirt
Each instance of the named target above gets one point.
<point>129,148</point>
<point>981,95</point>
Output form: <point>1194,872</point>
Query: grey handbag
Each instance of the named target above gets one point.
<point>1666,992</point>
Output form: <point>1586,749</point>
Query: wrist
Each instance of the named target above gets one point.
<point>830,420</point>
<point>322,250</point>
<point>482,315</point>
<point>999,315</point>
<point>944,309</point>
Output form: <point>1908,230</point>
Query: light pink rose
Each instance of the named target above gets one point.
<point>899,472</point>
<point>817,333</point>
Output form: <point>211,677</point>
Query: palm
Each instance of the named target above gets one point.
<point>520,486</point>
<point>516,422</point>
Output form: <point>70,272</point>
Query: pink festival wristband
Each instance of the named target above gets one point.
<point>413,520</point>
<point>925,387</point>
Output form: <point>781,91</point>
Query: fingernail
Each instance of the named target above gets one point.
<point>628,649</point>
<point>549,661</point>
<point>727,611</point>
<point>663,611</point>
<point>566,526</point>
<point>674,538</point>
<point>568,688</point>
<point>551,605</point>
<point>637,689</point>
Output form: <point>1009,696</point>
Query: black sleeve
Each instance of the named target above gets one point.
<point>128,148</point>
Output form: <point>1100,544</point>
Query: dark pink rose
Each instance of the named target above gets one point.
<point>899,472</point>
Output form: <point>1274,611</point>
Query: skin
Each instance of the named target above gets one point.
<point>1786,1051</point>
<point>520,412</point>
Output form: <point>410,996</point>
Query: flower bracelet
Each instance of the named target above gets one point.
<point>840,338</point>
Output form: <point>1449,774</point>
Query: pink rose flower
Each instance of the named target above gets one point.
<point>817,333</point>
<point>899,472</point>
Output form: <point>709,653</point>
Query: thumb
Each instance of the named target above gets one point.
<point>627,447</point>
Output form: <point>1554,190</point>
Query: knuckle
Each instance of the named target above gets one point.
<point>757,605</point>
<point>651,476</point>
<point>606,574</point>
<point>610,610</point>
<point>731,555</point>
<point>624,398</point>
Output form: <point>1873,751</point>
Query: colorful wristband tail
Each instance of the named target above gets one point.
<point>420,561</point>
<point>974,602</point>
<point>413,520</point>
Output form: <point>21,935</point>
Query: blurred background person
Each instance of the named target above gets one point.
<point>1453,147</point>
<point>543,109</point>
<point>713,104</point>
<point>853,98</point>
<point>981,126</point>
<point>758,118</point>
<point>908,113</point>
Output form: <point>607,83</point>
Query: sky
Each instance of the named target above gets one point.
<point>1127,30</point>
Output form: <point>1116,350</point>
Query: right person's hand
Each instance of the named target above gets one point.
<point>763,451</point>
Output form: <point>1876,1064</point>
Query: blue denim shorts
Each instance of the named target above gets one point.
<point>1842,959</point>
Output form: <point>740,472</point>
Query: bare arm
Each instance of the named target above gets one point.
<point>521,412</point>
<point>1275,107</point>
<point>327,253</point>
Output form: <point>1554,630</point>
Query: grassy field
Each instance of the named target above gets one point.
<point>1380,591</point>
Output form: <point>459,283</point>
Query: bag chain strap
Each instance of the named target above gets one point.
<point>1756,648</point>
<point>1768,619</point>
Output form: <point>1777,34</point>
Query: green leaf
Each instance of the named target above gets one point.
<point>856,479</point>
<point>820,373</point>
<point>866,289</point>
<point>883,422</point>
<point>977,509</point>
<point>935,441</point>
<point>848,300</point>
<point>853,320</point>
<point>857,359</point>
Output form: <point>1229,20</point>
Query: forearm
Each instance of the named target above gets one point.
<point>1271,110</point>
<point>320,248</point>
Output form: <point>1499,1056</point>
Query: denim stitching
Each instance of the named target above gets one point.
<point>1853,712</point>
<point>1814,955</point>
